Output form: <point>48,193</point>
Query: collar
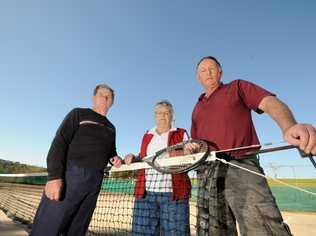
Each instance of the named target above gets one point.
<point>202,96</point>
<point>153,130</point>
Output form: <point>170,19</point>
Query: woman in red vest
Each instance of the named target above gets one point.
<point>162,200</point>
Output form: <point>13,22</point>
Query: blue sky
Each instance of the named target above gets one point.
<point>53,53</point>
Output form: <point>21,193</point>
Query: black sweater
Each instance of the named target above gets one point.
<point>85,137</point>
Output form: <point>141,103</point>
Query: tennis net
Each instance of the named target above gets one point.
<point>113,215</point>
<point>115,210</point>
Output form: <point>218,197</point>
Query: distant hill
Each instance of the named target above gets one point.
<point>10,167</point>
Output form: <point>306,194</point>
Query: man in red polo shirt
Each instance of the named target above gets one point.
<point>222,116</point>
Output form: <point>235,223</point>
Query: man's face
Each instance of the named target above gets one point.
<point>209,73</point>
<point>103,99</point>
<point>163,116</point>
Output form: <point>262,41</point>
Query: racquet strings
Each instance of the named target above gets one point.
<point>178,158</point>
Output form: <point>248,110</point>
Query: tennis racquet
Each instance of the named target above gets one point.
<point>172,159</point>
<point>178,159</point>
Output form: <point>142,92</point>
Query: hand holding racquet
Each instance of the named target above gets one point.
<point>182,157</point>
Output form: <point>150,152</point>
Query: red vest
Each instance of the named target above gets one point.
<point>181,184</point>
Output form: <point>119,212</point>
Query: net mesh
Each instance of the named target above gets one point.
<point>113,215</point>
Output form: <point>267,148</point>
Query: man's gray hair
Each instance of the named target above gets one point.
<point>167,104</point>
<point>104,86</point>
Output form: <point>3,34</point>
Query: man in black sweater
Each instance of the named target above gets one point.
<point>81,149</point>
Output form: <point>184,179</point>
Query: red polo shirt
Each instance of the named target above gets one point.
<point>224,118</point>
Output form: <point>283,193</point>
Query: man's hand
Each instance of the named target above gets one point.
<point>129,158</point>
<point>303,136</point>
<point>190,148</point>
<point>116,161</point>
<point>53,189</point>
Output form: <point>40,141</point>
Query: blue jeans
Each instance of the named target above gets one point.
<point>158,214</point>
<point>72,214</point>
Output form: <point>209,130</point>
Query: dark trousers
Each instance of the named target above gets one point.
<point>228,194</point>
<point>72,214</point>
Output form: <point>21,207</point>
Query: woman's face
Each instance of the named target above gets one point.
<point>163,116</point>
